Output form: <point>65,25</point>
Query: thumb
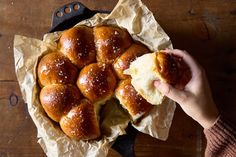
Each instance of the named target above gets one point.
<point>175,94</point>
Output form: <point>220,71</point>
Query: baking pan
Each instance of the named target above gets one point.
<point>66,17</point>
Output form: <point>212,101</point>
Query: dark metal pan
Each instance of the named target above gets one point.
<point>66,17</point>
<point>70,14</point>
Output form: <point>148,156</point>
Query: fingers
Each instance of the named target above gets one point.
<point>177,95</point>
<point>194,66</point>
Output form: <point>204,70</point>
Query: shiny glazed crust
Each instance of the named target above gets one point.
<point>81,122</point>
<point>97,81</point>
<point>111,42</point>
<point>57,99</point>
<point>134,103</point>
<point>55,68</point>
<point>78,45</point>
<point>173,69</point>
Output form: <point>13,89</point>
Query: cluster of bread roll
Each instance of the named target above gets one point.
<point>85,72</point>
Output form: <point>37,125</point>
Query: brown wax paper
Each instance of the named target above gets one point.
<point>141,24</point>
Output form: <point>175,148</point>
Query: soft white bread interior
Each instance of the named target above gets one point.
<point>143,72</point>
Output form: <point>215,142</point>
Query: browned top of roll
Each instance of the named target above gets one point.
<point>123,62</point>
<point>111,42</point>
<point>96,81</point>
<point>173,69</point>
<point>130,99</point>
<point>81,122</point>
<point>55,68</point>
<point>58,99</point>
<point>78,45</point>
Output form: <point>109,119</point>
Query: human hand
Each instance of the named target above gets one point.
<point>195,98</point>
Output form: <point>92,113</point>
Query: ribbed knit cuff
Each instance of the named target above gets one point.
<point>221,139</point>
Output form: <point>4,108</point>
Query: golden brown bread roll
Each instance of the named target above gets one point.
<point>172,69</point>
<point>58,99</point>
<point>134,103</point>
<point>81,122</point>
<point>78,45</point>
<point>55,68</point>
<point>97,82</point>
<point>111,42</point>
<point>123,62</point>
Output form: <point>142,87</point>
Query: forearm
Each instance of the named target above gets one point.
<point>221,139</point>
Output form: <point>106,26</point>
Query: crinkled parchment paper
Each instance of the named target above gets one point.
<point>141,24</point>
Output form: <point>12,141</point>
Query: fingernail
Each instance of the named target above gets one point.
<point>157,83</point>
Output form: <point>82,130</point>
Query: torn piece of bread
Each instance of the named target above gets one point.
<point>157,66</point>
<point>143,72</point>
<point>173,69</point>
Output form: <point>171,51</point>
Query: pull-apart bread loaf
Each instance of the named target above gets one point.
<point>84,73</point>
